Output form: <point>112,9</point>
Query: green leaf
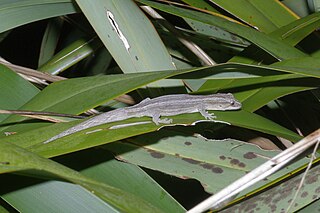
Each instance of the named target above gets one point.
<point>134,179</point>
<point>254,93</point>
<point>53,196</point>
<point>17,13</point>
<point>266,16</point>
<point>15,91</point>
<point>102,134</point>
<point>14,158</point>
<point>193,157</point>
<point>291,34</point>
<point>139,49</point>
<point>274,47</point>
<point>75,96</point>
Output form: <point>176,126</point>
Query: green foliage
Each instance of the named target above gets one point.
<point>267,57</point>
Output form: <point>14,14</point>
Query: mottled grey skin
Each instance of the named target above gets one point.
<point>167,105</point>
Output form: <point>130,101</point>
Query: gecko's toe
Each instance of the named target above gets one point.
<point>165,121</point>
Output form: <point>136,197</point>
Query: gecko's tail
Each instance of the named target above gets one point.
<point>52,139</point>
<point>84,125</point>
<point>70,131</point>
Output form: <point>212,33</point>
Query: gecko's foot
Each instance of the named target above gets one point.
<point>206,115</point>
<point>210,116</point>
<point>165,121</point>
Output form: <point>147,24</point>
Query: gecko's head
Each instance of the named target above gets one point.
<point>224,102</point>
<point>234,104</point>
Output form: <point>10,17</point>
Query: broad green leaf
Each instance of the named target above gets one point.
<point>42,196</point>
<point>291,34</point>
<point>266,16</point>
<point>14,90</point>
<point>15,158</point>
<point>17,13</point>
<point>53,196</point>
<point>136,181</point>
<point>255,99</point>
<point>211,31</point>
<point>187,157</point>
<point>128,35</point>
<point>216,33</point>
<point>102,134</point>
<point>274,47</point>
<point>257,92</point>
<point>258,97</point>
<point>105,78</point>
<point>75,96</point>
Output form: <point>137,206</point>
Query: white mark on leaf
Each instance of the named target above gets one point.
<point>116,28</point>
<point>93,131</point>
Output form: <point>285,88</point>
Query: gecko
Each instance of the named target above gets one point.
<point>167,105</point>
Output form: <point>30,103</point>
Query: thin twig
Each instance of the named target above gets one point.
<point>32,72</point>
<point>27,112</point>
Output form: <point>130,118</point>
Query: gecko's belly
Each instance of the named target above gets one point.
<point>173,112</point>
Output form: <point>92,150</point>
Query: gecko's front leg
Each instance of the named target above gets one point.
<point>156,119</point>
<point>206,115</point>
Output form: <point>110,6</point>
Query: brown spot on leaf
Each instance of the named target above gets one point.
<point>192,161</point>
<point>242,165</point>
<point>233,37</point>
<point>156,154</point>
<point>217,170</point>
<point>311,179</point>
<point>273,207</point>
<point>222,157</point>
<point>304,194</point>
<point>207,165</point>
<point>234,162</point>
<point>250,207</point>
<point>250,155</point>
<point>187,143</point>
<point>277,199</point>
